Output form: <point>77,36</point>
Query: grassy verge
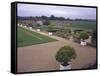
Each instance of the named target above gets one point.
<point>26,37</point>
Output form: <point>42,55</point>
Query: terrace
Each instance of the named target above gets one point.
<point>41,57</point>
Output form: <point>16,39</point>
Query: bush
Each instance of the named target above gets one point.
<point>65,54</point>
<point>83,35</point>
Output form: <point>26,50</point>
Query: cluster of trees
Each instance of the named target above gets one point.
<point>52,17</point>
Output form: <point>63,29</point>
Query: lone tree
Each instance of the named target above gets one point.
<point>83,35</point>
<point>52,17</point>
<point>65,54</point>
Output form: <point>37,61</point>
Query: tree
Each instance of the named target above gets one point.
<point>68,18</point>
<point>46,22</point>
<point>83,35</point>
<point>52,17</point>
<point>44,17</point>
<point>60,18</point>
<point>65,54</point>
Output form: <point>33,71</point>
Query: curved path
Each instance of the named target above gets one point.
<point>41,57</point>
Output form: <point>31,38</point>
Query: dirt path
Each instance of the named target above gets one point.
<point>41,57</point>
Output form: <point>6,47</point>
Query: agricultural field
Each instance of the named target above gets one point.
<point>26,37</point>
<point>74,24</point>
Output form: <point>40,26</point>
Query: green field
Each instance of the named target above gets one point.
<point>26,37</point>
<point>84,24</point>
<point>75,24</point>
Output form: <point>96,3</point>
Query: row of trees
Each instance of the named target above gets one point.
<point>52,17</point>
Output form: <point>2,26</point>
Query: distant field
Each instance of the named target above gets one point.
<point>26,37</point>
<point>75,24</point>
<point>84,24</point>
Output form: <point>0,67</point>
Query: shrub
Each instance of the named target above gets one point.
<point>65,54</point>
<point>83,35</point>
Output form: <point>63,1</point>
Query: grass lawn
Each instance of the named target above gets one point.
<point>26,37</point>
